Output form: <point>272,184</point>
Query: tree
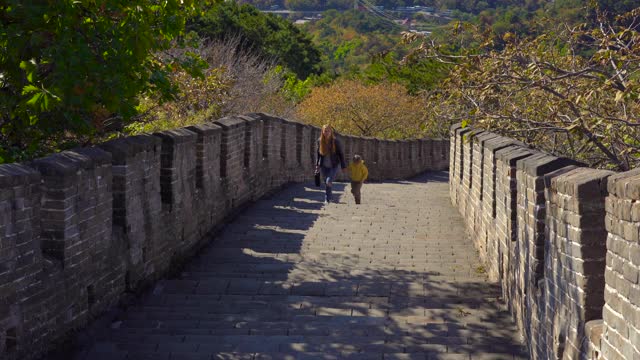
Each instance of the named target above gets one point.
<point>72,68</point>
<point>267,35</point>
<point>382,110</point>
<point>416,76</point>
<point>349,39</point>
<point>574,92</point>
<point>236,81</point>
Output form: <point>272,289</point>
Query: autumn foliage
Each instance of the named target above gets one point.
<point>382,110</point>
<point>574,92</point>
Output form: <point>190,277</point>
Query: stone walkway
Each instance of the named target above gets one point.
<point>292,278</point>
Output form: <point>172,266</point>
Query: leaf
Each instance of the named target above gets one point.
<point>29,68</point>
<point>29,89</point>
<point>34,100</point>
<point>619,95</point>
<point>45,102</point>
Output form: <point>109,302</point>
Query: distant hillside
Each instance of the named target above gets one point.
<point>266,35</point>
<point>475,7</point>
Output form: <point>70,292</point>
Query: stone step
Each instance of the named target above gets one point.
<point>312,323</point>
<point>141,355</point>
<point>300,343</point>
<point>394,305</point>
<point>257,328</point>
<point>310,334</point>
<point>293,311</point>
<point>279,348</point>
<point>249,286</point>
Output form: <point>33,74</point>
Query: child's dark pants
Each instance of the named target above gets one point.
<point>355,190</point>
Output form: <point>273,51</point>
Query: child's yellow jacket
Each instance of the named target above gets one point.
<point>358,172</point>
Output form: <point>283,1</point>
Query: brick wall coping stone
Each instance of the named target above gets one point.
<point>462,131</point>
<point>455,127</point>
<point>17,174</point>
<point>123,148</point>
<point>550,179</point>
<point>96,154</point>
<point>499,142</point>
<point>69,162</point>
<point>584,183</point>
<point>474,134</point>
<point>176,136</point>
<point>483,137</point>
<point>270,117</point>
<point>230,122</point>
<point>307,126</point>
<point>625,185</point>
<point>205,129</point>
<point>541,163</point>
<point>512,153</point>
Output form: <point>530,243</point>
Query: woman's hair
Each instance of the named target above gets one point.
<point>327,142</point>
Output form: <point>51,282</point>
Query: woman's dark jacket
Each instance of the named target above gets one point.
<point>337,157</point>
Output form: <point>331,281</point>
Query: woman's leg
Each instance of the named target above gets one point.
<point>328,174</point>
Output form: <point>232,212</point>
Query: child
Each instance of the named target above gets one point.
<point>358,173</point>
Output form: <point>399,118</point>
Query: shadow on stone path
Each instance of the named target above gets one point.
<point>292,278</point>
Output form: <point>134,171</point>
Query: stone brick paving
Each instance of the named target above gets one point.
<point>291,278</point>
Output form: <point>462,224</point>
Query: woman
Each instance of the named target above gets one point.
<point>330,156</point>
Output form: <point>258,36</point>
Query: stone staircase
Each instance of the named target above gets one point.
<point>292,278</point>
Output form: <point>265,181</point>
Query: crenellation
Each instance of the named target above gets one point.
<point>292,167</point>
<point>178,187</point>
<point>622,271</point>
<point>403,158</point>
<point>137,202</point>
<point>272,150</point>
<point>374,157</point>
<point>235,177</point>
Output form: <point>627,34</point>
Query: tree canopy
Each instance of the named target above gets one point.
<point>72,67</point>
<point>574,92</point>
<point>383,110</point>
<point>267,35</point>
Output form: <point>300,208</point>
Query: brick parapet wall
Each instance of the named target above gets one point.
<point>505,209</point>
<point>137,204</point>
<point>458,145</point>
<point>208,181</point>
<point>476,223</point>
<point>576,253</point>
<point>497,189</point>
<point>76,278</point>
<point>21,256</point>
<point>178,186</point>
<point>621,315</point>
<point>561,239</point>
<point>531,223</point>
<point>80,228</point>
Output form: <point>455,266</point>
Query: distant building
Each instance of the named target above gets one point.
<point>421,32</point>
